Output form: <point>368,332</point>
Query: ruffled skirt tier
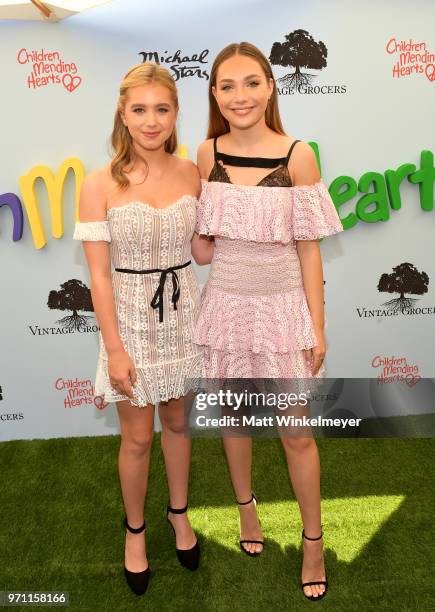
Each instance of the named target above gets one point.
<point>254,320</point>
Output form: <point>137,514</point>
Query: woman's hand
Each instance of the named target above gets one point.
<point>122,373</point>
<point>316,355</point>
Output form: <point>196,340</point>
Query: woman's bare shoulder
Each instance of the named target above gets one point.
<point>186,167</point>
<point>188,172</point>
<point>183,164</point>
<point>303,167</point>
<point>205,157</point>
<point>94,193</point>
<point>205,149</point>
<point>302,149</point>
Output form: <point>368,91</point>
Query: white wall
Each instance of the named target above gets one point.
<point>380,122</point>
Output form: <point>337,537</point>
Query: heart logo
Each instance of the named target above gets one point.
<point>412,379</point>
<point>70,83</point>
<point>99,402</point>
<point>430,72</point>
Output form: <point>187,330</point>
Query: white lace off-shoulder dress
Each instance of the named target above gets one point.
<point>254,320</point>
<point>158,337</point>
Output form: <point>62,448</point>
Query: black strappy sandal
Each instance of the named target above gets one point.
<point>188,558</point>
<point>241,542</point>
<point>137,581</point>
<point>312,582</point>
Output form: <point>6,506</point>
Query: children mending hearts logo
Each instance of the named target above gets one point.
<point>48,68</point>
<point>411,58</point>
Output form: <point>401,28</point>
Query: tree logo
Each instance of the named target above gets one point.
<point>405,278</point>
<point>73,296</point>
<point>299,50</point>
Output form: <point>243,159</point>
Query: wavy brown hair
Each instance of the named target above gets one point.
<point>217,124</point>
<point>122,144</point>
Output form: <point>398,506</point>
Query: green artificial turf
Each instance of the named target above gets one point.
<point>61,514</point>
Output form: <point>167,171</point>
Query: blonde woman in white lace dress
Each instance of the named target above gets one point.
<point>137,218</point>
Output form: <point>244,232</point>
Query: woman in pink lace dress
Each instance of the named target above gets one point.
<point>261,312</point>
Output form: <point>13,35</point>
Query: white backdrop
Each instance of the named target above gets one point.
<point>362,117</point>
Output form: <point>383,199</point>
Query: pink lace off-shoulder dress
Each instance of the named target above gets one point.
<point>156,296</point>
<point>254,320</point>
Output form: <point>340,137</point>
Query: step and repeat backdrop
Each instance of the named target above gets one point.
<point>356,81</point>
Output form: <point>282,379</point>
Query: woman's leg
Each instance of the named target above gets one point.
<point>304,470</point>
<point>176,446</point>
<point>137,426</point>
<point>239,457</point>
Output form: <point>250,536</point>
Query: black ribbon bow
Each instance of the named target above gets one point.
<point>157,301</point>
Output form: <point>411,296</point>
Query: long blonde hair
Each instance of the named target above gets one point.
<point>217,124</point>
<point>122,144</point>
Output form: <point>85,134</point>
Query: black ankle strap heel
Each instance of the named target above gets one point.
<point>188,558</point>
<point>176,510</point>
<point>241,542</point>
<point>313,539</point>
<point>253,498</point>
<point>134,529</point>
<point>312,582</point>
<point>137,581</point>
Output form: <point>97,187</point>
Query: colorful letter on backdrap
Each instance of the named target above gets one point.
<point>54,184</point>
<point>13,201</point>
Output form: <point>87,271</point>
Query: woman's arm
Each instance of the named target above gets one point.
<point>305,172</point>
<point>203,246</point>
<point>92,207</point>
<point>312,276</point>
<point>202,249</point>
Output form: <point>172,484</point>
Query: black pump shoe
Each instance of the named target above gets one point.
<point>312,582</point>
<point>188,558</point>
<point>137,581</point>
<point>241,542</point>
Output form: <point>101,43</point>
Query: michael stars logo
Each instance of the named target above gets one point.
<point>299,50</point>
<point>181,65</point>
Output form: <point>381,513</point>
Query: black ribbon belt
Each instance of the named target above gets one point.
<point>157,301</point>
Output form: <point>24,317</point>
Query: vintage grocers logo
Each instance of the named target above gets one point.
<point>301,52</point>
<point>74,297</point>
<point>49,68</point>
<point>404,279</point>
<point>79,392</point>
<point>411,57</point>
<point>181,65</point>
<point>11,416</point>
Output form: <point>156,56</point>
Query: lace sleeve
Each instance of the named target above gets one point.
<point>314,214</point>
<point>92,231</point>
<point>204,210</point>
